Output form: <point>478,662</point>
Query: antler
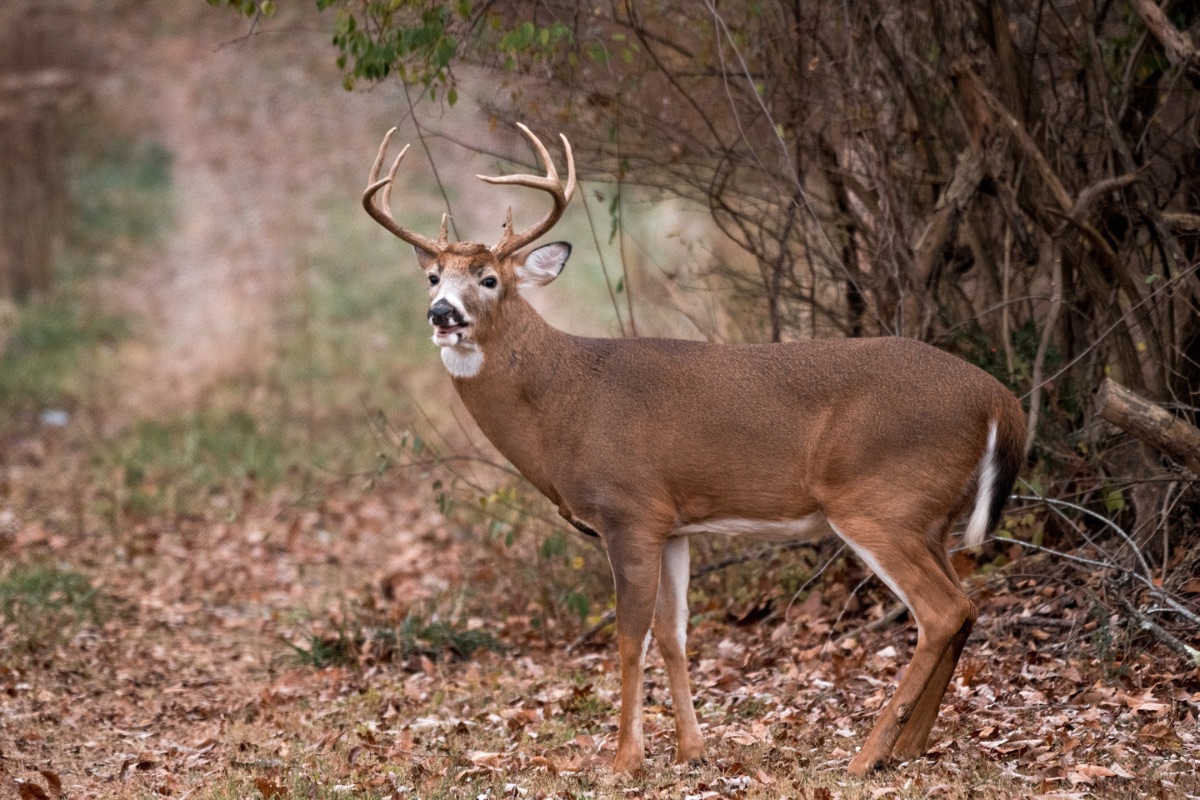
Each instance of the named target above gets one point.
<point>381,212</point>
<point>510,243</point>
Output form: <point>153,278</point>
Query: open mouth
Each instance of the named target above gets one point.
<point>449,330</point>
<point>450,335</point>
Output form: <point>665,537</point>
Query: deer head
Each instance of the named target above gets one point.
<point>469,283</point>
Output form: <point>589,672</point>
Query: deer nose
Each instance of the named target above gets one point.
<point>444,315</point>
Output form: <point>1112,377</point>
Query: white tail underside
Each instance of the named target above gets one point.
<point>977,524</point>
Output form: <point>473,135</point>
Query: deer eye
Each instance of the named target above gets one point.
<point>489,282</point>
<point>433,280</point>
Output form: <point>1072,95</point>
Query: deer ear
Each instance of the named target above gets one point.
<point>424,257</point>
<point>539,267</point>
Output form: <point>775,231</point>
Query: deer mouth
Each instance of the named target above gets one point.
<point>449,335</point>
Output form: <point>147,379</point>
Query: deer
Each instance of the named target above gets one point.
<point>882,442</point>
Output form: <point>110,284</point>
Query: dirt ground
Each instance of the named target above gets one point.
<point>184,683</point>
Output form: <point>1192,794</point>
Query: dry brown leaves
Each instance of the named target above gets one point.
<point>190,686</point>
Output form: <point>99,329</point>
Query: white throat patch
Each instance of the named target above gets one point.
<point>463,361</point>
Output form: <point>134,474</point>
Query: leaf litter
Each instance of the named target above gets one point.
<point>190,685</point>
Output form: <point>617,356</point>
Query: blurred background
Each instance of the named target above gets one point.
<point>219,404</point>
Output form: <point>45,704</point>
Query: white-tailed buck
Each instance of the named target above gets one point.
<point>645,442</point>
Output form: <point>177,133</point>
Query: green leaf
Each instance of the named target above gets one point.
<point>577,602</point>
<point>596,52</point>
<point>1114,500</point>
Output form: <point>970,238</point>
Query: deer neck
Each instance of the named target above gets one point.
<point>521,359</point>
<point>525,367</point>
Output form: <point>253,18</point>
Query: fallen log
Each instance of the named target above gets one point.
<point>1150,423</point>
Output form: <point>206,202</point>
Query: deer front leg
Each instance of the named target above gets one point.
<point>670,629</point>
<point>635,566</point>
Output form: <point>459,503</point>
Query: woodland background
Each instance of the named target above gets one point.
<point>250,545</point>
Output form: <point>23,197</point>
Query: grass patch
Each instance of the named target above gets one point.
<point>177,464</point>
<point>43,346</point>
<point>122,194</point>
<point>43,605</point>
<point>364,637</point>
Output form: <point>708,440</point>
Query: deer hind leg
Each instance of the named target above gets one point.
<point>944,614</point>
<point>635,563</point>
<point>913,739</point>
<point>670,629</point>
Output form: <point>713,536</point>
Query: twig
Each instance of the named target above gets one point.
<point>608,284</point>
<point>742,558</point>
<point>412,111</point>
<point>1148,625</point>
<point>608,619</point>
<point>1043,622</point>
<point>1163,597</point>
<point>1051,323</point>
<point>893,614</point>
<point>1053,504</point>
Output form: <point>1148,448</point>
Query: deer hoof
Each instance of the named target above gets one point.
<point>627,761</point>
<point>864,764</point>
<point>690,753</point>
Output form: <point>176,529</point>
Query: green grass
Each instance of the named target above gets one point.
<point>122,195</point>
<point>42,349</point>
<point>366,637</point>
<point>176,464</point>
<point>43,605</point>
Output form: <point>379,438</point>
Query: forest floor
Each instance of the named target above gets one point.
<point>236,573</point>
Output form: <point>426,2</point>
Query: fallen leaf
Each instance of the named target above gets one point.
<point>1086,773</point>
<point>269,789</point>
<point>1146,702</point>
<point>1157,730</point>
<point>545,763</point>
<point>484,759</point>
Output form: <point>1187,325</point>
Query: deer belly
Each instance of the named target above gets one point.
<point>810,527</point>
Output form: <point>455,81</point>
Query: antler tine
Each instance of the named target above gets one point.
<point>381,211</point>
<point>509,242</point>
